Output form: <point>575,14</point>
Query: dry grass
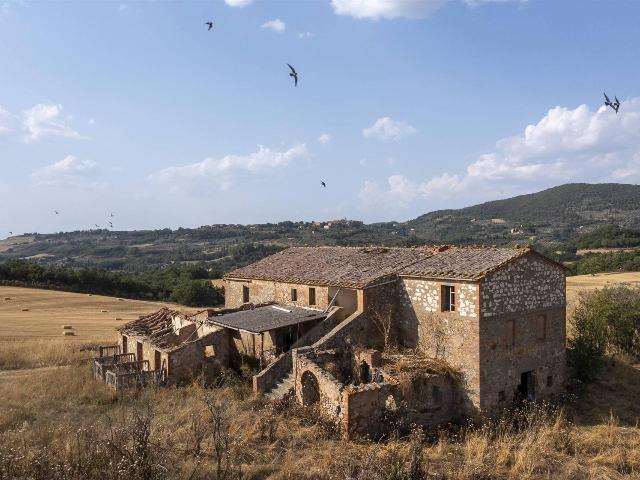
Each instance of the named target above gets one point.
<point>92,316</point>
<point>47,411</point>
<point>580,283</point>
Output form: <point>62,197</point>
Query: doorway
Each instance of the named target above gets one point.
<point>139,353</point>
<point>288,339</point>
<point>157,361</point>
<point>527,387</point>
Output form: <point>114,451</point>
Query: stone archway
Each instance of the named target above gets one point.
<point>310,389</point>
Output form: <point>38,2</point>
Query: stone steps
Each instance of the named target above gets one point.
<point>282,388</point>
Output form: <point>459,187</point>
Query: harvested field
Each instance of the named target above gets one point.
<point>579,283</point>
<point>91,316</point>
<point>31,325</point>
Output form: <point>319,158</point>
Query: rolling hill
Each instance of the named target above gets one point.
<point>558,214</point>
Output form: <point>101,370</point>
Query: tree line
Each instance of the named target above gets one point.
<point>185,284</point>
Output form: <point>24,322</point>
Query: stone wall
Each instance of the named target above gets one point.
<point>522,329</point>
<point>262,291</point>
<point>449,336</point>
<point>526,284</point>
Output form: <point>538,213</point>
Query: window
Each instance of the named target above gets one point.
<point>550,381</point>
<point>510,333</point>
<point>448,298</point>
<point>541,327</point>
<point>245,294</point>
<point>501,396</point>
<point>312,296</point>
<point>294,295</point>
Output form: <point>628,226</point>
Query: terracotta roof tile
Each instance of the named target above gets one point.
<point>354,267</point>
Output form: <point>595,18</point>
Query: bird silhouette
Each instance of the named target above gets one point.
<point>615,105</point>
<point>210,24</point>
<point>56,212</point>
<point>293,74</point>
<point>97,226</point>
<point>323,184</point>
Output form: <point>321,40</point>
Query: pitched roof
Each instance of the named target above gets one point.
<point>359,267</point>
<point>266,318</point>
<point>354,267</point>
<point>469,263</point>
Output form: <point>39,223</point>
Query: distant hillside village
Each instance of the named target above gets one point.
<point>421,335</point>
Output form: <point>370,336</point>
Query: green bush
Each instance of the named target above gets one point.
<point>606,322</point>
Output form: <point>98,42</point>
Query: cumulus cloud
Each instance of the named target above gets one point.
<point>324,138</point>
<point>70,171</point>
<point>46,120</point>
<point>565,145</point>
<point>303,35</point>
<point>386,9</point>
<point>238,3</point>
<point>224,170</point>
<point>386,129</point>
<point>276,25</point>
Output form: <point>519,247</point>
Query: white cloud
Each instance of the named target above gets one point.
<point>70,171</point>
<point>238,3</point>
<point>225,169</point>
<point>324,138</point>
<point>385,129</point>
<point>45,120</point>
<point>276,25</point>
<point>91,121</point>
<point>123,7</point>
<point>566,145</point>
<point>386,9</point>
<point>303,35</point>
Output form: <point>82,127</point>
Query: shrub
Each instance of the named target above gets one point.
<point>605,322</point>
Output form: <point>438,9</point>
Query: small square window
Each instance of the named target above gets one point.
<point>501,396</point>
<point>312,296</point>
<point>294,295</point>
<point>550,381</point>
<point>448,298</point>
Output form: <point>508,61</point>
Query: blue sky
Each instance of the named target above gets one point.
<point>403,107</point>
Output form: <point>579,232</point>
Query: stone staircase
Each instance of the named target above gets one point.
<point>281,388</point>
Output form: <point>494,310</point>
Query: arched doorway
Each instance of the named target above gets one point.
<point>310,389</point>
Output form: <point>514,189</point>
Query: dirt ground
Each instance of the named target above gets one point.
<point>91,316</point>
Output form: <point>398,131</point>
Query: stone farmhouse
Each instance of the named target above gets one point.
<point>473,329</point>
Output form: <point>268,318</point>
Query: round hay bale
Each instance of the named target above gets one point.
<point>90,294</point>
<point>68,333</point>
<point>121,299</point>
<point>118,319</point>
<point>7,298</point>
<point>67,327</point>
<point>103,311</point>
<point>25,309</point>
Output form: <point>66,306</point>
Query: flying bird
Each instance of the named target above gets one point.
<point>56,212</point>
<point>323,184</point>
<point>615,105</point>
<point>97,226</point>
<point>293,74</point>
<point>209,24</point>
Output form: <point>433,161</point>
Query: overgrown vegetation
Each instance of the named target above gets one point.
<point>64,426</point>
<point>187,284</point>
<point>605,322</point>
